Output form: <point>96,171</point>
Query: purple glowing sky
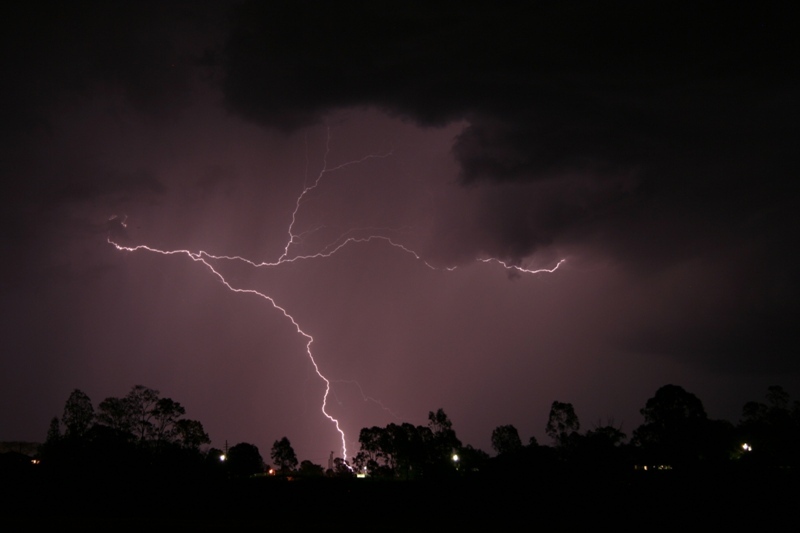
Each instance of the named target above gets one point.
<point>654,151</point>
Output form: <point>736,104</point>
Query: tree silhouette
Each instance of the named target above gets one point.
<point>674,425</point>
<point>562,423</point>
<point>150,420</point>
<point>606,436</point>
<point>244,460</point>
<point>672,407</point>
<point>404,450</point>
<point>52,442</point>
<point>603,448</point>
<point>78,414</point>
<point>140,404</point>
<point>341,469</point>
<point>310,469</point>
<point>113,413</point>
<point>439,422</point>
<point>410,448</point>
<point>375,454</point>
<point>283,456</point>
<point>138,435</point>
<point>409,451</point>
<point>164,417</point>
<point>505,440</point>
<point>132,414</point>
<point>53,432</point>
<point>445,443</point>
<point>472,460</point>
<point>190,434</point>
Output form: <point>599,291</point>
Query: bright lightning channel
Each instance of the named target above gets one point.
<point>327,251</point>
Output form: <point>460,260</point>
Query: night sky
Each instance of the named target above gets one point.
<point>652,146</point>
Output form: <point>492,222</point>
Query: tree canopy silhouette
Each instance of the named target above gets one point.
<point>505,440</point>
<point>407,451</point>
<point>562,423</point>
<point>138,432</point>
<point>674,425</point>
<point>78,414</point>
<point>283,456</point>
<point>244,460</point>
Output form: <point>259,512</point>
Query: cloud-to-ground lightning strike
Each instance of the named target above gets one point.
<point>198,256</point>
<point>327,251</point>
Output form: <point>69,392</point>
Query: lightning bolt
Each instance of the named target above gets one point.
<point>519,268</point>
<point>345,239</point>
<point>198,257</point>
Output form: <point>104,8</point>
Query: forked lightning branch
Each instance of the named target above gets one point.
<point>209,260</point>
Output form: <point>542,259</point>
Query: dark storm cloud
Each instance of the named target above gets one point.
<point>59,56</point>
<point>288,62</point>
<point>690,99</point>
<point>108,59</point>
<point>143,49</point>
<point>653,133</point>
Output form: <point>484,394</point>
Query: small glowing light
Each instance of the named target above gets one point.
<point>222,457</point>
<point>746,447</point>
<point>455,457</point>
<point>34,461</point>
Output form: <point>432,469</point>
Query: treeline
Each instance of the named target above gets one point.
<point>143,433</point>
<point>138,434</point>
<point>677,434</point>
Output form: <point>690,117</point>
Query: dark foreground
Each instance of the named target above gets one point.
<point>560,501</point>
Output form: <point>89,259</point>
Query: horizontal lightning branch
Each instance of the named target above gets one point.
<point>520,269</point>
